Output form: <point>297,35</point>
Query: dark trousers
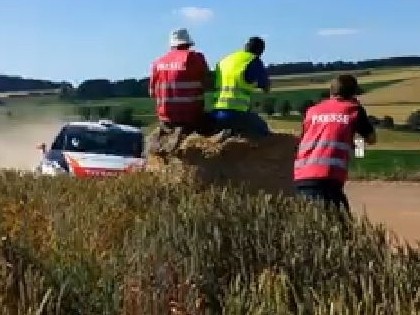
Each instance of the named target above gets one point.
<point>330,192</point>
<point>203,126</point>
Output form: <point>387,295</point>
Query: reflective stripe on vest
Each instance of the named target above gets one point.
<point>325,144</point>
<point>179,85</point>
<point>235,90</point>
<point>321,161</point>
<point>180,99</point>
<point>232,91</point>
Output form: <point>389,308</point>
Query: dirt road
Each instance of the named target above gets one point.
<point>395,204</point>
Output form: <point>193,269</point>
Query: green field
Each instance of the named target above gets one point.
<point>322,79</point>
<point>387,164</point>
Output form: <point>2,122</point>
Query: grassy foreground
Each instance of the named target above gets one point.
<point>133,245</point>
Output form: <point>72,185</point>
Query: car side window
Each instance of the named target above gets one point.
<point>58,143</point>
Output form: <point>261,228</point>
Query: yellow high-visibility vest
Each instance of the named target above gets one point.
<point>232,91</point>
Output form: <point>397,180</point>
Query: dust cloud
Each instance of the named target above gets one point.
<point>18,141</point>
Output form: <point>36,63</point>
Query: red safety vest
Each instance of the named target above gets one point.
<point>178,88</point>
<point>326,145</point>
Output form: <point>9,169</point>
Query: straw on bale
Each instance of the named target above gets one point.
<point>263,164</point>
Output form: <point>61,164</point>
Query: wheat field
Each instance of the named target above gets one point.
<point>303,82</point>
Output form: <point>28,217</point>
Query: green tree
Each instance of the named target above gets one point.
<point>104,111</point>
<point>413,120</point>
<point>304,106</point>
<point>144,87</point>
<point>123,115</point>
<point>324,95</point>
<point>95,89</point>
<point>269,106</point>
<point>84,112</point>
<point>67,91</point>
<point>374,120</point>
<point>387,122</point>
<point>127,88</point>
<point>284,108</point>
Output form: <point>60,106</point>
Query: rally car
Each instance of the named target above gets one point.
<point>93,149</point>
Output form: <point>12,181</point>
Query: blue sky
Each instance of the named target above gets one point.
<point>79,39</point>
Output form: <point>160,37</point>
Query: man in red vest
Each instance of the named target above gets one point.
<point>326,144</point>
<point>177,83</point>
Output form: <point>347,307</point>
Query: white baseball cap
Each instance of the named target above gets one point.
<point>180,37</point>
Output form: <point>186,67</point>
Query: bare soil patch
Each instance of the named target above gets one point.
<point>396,204</point>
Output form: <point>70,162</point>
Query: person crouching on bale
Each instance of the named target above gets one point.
<point>237,76</point>
<point>177,83</point>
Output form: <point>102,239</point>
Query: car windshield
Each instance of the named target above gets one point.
<point>109,141</point>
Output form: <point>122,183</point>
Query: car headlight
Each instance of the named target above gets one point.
<point>50,168</point>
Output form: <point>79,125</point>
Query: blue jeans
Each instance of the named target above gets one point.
<point>242,123</point>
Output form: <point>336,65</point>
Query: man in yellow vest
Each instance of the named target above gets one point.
<point>237,76</point>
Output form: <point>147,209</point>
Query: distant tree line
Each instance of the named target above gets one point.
<point>309,67</point>
<point>272,106</point>
<point>102,89</point>
<point>13,84</point>
<point>89,89</point>
<point>412,123</point>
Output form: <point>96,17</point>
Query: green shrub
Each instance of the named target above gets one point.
<point>104,112</point>
<point>387,122</point>
<point>413,121</point>
<point>304,106</point>
<point>269,106</point>
<point>123,115</point>
<point>374,120</point>
<point>284,108</point>
<point>85,112</point>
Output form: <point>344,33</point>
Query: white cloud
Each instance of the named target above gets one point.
<point>195,14</point>
<point>337,31</point>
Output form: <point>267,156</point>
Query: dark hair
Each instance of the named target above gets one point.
<point>345,86</point>
<point>183,47</point>
<point>255,45</point>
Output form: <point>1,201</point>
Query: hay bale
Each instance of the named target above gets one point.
<point>263,164</point>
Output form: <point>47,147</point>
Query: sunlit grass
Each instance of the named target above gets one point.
<point>135,245</point>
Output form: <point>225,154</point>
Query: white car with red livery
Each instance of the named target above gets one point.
<point>94,149</point>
